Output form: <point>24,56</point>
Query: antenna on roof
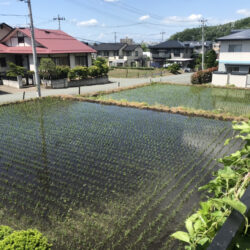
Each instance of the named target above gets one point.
<point>59,19</point>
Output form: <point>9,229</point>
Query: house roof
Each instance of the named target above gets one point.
<point>6,25</point>
<point>51,41</point>
<point>131,47</point>
<point>241,35</point>
<point>108,46</point>
<point>170,44</point>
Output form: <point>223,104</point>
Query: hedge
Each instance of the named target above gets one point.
<point>203,76</point>
<point>30,239</point>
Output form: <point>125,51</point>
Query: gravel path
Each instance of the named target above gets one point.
<point>8,94</point>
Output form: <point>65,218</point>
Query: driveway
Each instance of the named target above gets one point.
<point>8,94</point>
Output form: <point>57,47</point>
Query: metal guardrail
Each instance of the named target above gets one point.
<point>225,238</point>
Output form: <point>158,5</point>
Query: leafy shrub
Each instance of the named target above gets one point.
<point>203,76</point>
<point>78,73</point>
<point>5,231</point>
<point>47,68</point>
<point>30,240</point>
<point>227,188</point>
<point>101,63</point>
<point>174,68</point>
<point>62,71</point>
<point>15,70</point>
<point>94,71</point>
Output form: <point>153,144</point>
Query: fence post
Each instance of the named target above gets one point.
<point>118,84</point>
<point>79,90</point>
<point>23,95</point>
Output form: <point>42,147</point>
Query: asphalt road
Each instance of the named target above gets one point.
<point>8,94</point>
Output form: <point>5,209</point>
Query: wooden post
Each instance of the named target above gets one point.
<point>23,95</point>
<point>79,90</point>
<point>118,84</point>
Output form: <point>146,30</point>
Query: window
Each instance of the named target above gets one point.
<point>235,48</point>
<point>136,53</point>
<point>82,60</point>
<point>128,53</point>
<point>61,60</point>
<point>116,53</point>
<point>3,62</point>
<point>231,69</point>
<point>177,52</point>
<point>106,53</point>
<point>20,39</point>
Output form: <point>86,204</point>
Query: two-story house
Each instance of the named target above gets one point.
<point>121,54</point>
<point>15,46</point>
<point>234,59</point>
<point>171,51</point>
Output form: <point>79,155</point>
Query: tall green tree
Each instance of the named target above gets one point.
<point>210,59</point>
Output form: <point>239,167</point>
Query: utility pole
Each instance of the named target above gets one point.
<point>162,35</point>
<point>203,23</point>
<point>33,43</point>
<point>59,19</point>
<point>115,36</point>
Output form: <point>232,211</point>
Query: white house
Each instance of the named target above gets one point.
<point>121,54</point>
<point>234,60</point>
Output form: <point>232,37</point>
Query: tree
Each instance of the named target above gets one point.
<point>173,68</point>
<point>144,47</point>
<point>210,59</point>
<point>47,68</point>
<point>101,63</point>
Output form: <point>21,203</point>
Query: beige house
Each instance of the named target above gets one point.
<point>234,60</point>
<point>121,54</point>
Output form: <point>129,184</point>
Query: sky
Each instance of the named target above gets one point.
<point>142,20</point>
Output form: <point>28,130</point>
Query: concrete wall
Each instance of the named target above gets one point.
<point>220,79</point>
<point>14,84</point>
<point>87,82</point>
<point>239,81</point>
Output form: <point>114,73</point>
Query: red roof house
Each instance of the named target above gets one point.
<point>61,47</point>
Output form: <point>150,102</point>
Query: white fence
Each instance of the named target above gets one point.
<point>238,80</point>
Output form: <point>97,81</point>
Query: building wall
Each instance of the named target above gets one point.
<point>13,41</point>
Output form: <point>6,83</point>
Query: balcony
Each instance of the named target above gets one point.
<point>161,55</point>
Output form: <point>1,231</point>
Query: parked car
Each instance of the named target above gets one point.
<point>187,70</point>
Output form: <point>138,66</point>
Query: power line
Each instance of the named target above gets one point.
<point>17,15</point>
<point>59,19</point>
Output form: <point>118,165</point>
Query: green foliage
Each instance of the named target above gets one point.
<point>144,47</point>
<point>227,188</point>
<point>203,76</point>
<point>47,68</point>
<point>78,73</point>
<point>212,32</point>
<point>101,63</point>
<point>62,71</point>
<point>30,240</point>
<point>15,70</point>
<point>94,71</point>
<point>5,231</point>
<point>210,59</point>
<point>174,68</point>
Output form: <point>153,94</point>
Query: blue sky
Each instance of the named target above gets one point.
<point>143,20</point>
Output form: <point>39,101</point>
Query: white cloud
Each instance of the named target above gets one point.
<point>5,3</point>
<point>110,1</point>
<point>143,18</point>
<point>91,22</point>
<point>178,19</point>
<point>244,12</point>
